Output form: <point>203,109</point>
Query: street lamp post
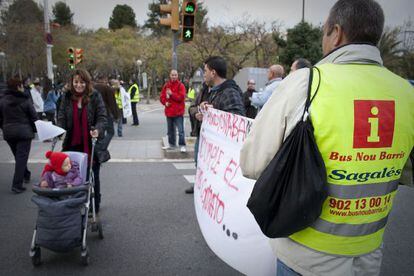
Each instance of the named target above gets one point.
<point>49,45</point>
<point>139,63</point>
<point>303,10</point>
<point>3,57</point>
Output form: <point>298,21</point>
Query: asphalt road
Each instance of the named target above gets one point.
<point>149,225</point>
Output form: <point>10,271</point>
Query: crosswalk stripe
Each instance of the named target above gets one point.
<point>184,166</point>
<point>190,178</point>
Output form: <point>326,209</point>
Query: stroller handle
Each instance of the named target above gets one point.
<point>94,139</point>
<point>91,175</point>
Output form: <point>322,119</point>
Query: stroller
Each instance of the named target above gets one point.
<point>65,215</point>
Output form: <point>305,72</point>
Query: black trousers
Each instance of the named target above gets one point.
<point>21,151</point>
<point>96,167</point>
<point>135,120</point>
<point>124,120</point>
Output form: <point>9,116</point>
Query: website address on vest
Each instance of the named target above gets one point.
<point>357,213</point>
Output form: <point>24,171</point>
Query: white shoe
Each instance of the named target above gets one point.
<point>183,149</point>
<point>166,148</point>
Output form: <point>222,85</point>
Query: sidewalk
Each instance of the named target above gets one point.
<point>139,144</point>
<point>122,151</point>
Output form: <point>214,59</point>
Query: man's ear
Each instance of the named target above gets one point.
<point>339,37</point>
<point>213,72</point>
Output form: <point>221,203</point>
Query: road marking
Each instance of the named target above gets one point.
<point>190,178</point>
<point>152,110</point>
<point>184,166</point>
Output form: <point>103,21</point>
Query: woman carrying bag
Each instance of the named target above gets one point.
<point>108,96</point>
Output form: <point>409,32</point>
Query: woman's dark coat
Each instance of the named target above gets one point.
<point>96,116</point>
<point>17,116</point>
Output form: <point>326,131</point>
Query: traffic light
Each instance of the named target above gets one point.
<point>71,57</point>
<point>173,20</point>
<point>78,55</point>
<point>188,20</point>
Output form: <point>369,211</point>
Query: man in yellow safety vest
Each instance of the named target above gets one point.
<point>364,128</point>
<point>134,94</point>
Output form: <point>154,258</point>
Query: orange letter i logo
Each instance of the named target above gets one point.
<point>373,121</point>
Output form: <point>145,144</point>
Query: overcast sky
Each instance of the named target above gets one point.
<point>93,14</point>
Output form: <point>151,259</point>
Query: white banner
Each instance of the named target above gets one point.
<point>221,194</point>
<point>126,103</point>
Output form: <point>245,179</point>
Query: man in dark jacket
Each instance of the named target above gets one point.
<point>17,117</point>
<point>224,94</point>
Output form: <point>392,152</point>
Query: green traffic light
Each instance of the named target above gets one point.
<point>190,8</point>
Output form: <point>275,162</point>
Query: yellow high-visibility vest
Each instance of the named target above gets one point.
<point>363,120</point>
<point>118,98</point>
<point>134,99</point>
<point>191,94</point>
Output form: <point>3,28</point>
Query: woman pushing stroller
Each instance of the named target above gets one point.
<point>63,216</point>
<point>82,114</point>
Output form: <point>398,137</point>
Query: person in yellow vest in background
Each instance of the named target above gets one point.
<point>191,96</point>
<point>134,94</point>
<point>118,98</point>
<point>364,128</point>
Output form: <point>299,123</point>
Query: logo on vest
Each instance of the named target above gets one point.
<point>373,123</point>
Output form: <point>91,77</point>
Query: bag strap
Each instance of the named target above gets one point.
<point>310,99</point>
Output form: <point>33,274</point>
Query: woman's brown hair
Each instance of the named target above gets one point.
<point>86,77</point>
<point>14,83</point>
<point>108,96</point>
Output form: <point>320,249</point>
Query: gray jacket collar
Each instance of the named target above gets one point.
<point>354,53</point>
<point>273,80</point>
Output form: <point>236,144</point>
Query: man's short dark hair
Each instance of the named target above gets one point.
<point>218,64</point>
<point>303,63</point>
<point>361,20</point>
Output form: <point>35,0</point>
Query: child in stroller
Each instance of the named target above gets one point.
<point>66,213</point>
<point>60,172</point>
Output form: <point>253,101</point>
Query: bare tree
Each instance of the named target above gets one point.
<point>242,43</point>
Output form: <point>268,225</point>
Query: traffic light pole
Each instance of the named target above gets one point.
<point>175,43</point>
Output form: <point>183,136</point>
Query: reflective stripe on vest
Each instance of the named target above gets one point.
<point>135,99</point>
<point>362,190</point>
<point>364,127</point>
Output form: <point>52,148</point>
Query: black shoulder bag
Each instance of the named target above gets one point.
<point>289,194</point>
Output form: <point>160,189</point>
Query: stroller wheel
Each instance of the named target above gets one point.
<point>100,231</point>
<point>36,256</point>
<point>85,257</point>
